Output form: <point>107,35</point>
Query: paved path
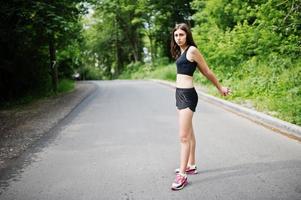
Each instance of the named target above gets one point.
<point>121,143</point>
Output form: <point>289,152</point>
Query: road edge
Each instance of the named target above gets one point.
<point>43,123</point>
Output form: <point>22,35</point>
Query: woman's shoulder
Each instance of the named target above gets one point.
<point>193,50</point>
<point>192,53</point>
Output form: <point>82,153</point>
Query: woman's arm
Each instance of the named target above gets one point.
<point>193,54</point>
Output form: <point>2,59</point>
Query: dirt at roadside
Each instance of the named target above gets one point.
<point>21,127</point>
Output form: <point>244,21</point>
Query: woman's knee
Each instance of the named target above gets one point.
<point>185,136</point>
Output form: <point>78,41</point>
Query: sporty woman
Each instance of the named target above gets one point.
<point>188,58</point>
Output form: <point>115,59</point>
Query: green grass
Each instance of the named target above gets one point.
<point>164,72</point>
<point>65,85</point>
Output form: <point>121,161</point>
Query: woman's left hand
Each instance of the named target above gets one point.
<point>224,91</point>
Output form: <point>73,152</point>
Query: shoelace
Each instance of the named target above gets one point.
<point>179,178</point>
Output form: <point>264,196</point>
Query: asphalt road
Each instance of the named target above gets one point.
<point>122,143</point>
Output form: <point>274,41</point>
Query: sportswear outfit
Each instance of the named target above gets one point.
<point>186,97</point>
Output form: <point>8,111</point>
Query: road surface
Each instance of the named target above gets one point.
<point>122,143</point>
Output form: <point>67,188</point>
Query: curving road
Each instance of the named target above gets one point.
<point>122,143</point>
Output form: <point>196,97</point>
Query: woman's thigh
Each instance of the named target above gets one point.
<point>185,121</point>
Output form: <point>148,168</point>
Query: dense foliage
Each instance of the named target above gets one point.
<point>45,41</point>
<point>123,32</point>
<point>255,47</point>
<point>39,43</point>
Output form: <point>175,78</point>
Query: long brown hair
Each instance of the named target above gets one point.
<point>174,48</point>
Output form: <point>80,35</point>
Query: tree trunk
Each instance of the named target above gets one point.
<point>118,50</point>
<point>135,44</point>
<point>152,48</point>
<point>53,66</point>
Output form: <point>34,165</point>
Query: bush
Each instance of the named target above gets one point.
<point>65,85</point>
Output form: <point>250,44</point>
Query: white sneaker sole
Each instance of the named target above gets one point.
<point>192,172</point>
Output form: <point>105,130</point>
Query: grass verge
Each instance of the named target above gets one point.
<point>64,86</point>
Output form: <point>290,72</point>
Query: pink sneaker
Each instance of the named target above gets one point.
<point>189,170</point>
<point>180,182</point>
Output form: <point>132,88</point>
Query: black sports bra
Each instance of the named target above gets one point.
<point>185,66</point>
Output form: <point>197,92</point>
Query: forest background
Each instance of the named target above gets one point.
<point>253,46</point>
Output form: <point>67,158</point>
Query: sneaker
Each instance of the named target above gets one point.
<point>189,170</point>
<point>180,182</point>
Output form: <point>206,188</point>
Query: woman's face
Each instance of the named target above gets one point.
<point>180,37</point>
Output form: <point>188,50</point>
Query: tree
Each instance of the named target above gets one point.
<point>32,32</point>
<point>114,38</point>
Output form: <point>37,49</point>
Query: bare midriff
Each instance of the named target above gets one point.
<point>184,81</point>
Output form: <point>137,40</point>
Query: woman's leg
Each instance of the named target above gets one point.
<point>185,133</point>
<point>191,160</point>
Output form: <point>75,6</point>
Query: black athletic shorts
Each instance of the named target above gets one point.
<point>186,98</point>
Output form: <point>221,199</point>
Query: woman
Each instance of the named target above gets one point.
<point>188,58</point>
